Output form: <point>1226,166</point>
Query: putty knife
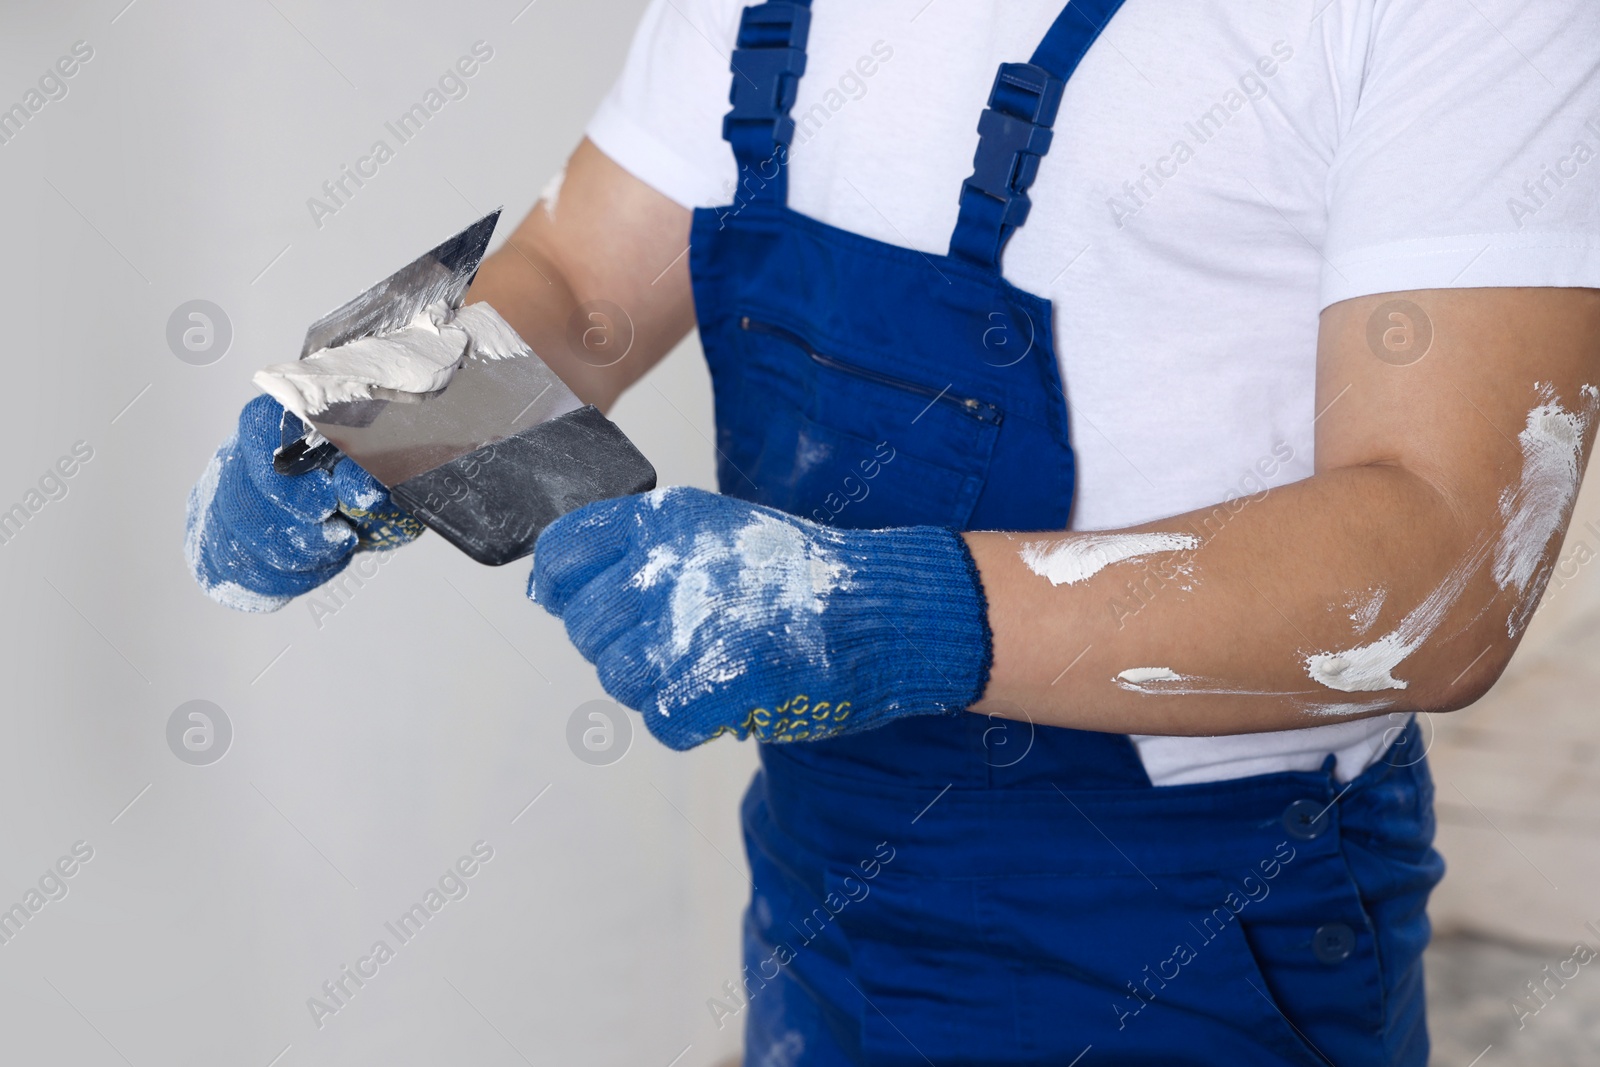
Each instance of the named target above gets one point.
<point>490,460</point>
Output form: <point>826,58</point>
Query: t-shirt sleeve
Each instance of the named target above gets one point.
<point>662,120</point>
<point>1471,158</point>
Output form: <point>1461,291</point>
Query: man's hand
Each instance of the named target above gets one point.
<point>256,538</point>
<point>713,616</point>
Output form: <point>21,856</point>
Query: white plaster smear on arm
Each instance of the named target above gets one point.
<point>1152,680</point>
<point>1365,608</point>
<point>550,195</point>
<point>1534,512</point>
<point>1166,680</point>
<point>1077,558</point>
<point>1537,509</point>
<point>1143,675</point>
<point>1370,668</point>
<point>1354,707</point>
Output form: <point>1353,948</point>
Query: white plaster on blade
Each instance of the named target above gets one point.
<point>1074,559</point>
<point>419,358</point>
<point>488,335</point>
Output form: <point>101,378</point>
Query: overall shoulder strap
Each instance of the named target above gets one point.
<point>1015,130</point>
<point>767,64</point>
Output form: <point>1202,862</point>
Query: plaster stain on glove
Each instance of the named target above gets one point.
<point>254,539</point>
<point>711,615</point>
<point>661,558</point>
<point>227,593</point>
<point>368,497</point>
<point>766,573</point>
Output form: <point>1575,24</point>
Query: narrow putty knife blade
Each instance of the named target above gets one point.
<point>442,273</point>
<point>498,454</point>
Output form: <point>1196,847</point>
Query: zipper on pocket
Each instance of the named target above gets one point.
<point>981,410</point>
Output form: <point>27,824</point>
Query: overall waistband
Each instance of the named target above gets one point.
<point>960,831</point>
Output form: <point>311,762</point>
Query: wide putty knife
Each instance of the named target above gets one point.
<point>490,460</point>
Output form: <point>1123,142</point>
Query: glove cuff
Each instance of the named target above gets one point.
<point>940,623</point>
<point>986,663</point>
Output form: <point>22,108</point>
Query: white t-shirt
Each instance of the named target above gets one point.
<point>1221,172</point>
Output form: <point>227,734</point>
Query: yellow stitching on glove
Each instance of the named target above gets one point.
<point>797,720</point>
<point>379,529</point>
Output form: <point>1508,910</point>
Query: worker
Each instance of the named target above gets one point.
<point>1129,419</point>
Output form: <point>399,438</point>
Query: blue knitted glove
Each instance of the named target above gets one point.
<point>711,616</point>
<point>255,539</point>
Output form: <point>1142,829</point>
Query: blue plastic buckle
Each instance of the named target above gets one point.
<point>1014,134</point>
<point>767,65</point>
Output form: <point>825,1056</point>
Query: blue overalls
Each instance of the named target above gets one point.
<point>961,890</point>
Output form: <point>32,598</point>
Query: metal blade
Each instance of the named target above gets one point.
<point>398,436</point>
<point>441,274</point>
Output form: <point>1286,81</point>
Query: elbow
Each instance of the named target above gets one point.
<point>1461,680</point>
<point>1447,681</point>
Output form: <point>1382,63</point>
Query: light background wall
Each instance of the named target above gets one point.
<point>374,746</point>
<point>369,752</point>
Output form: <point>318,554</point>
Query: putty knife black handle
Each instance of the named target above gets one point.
<point>494,502</point>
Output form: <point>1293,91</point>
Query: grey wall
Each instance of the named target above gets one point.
<point>374,745</point>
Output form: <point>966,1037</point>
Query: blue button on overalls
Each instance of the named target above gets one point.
<point>960,890</point>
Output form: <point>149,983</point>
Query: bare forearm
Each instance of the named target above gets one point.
<point>1399,577</point>
<point>594,279</point>
<point>1228,629</point>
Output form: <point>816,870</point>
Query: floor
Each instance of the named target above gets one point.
<point>1471,982</point>
<point>1518,778</point>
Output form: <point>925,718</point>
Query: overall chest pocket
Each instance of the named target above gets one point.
<point>838,438</point>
